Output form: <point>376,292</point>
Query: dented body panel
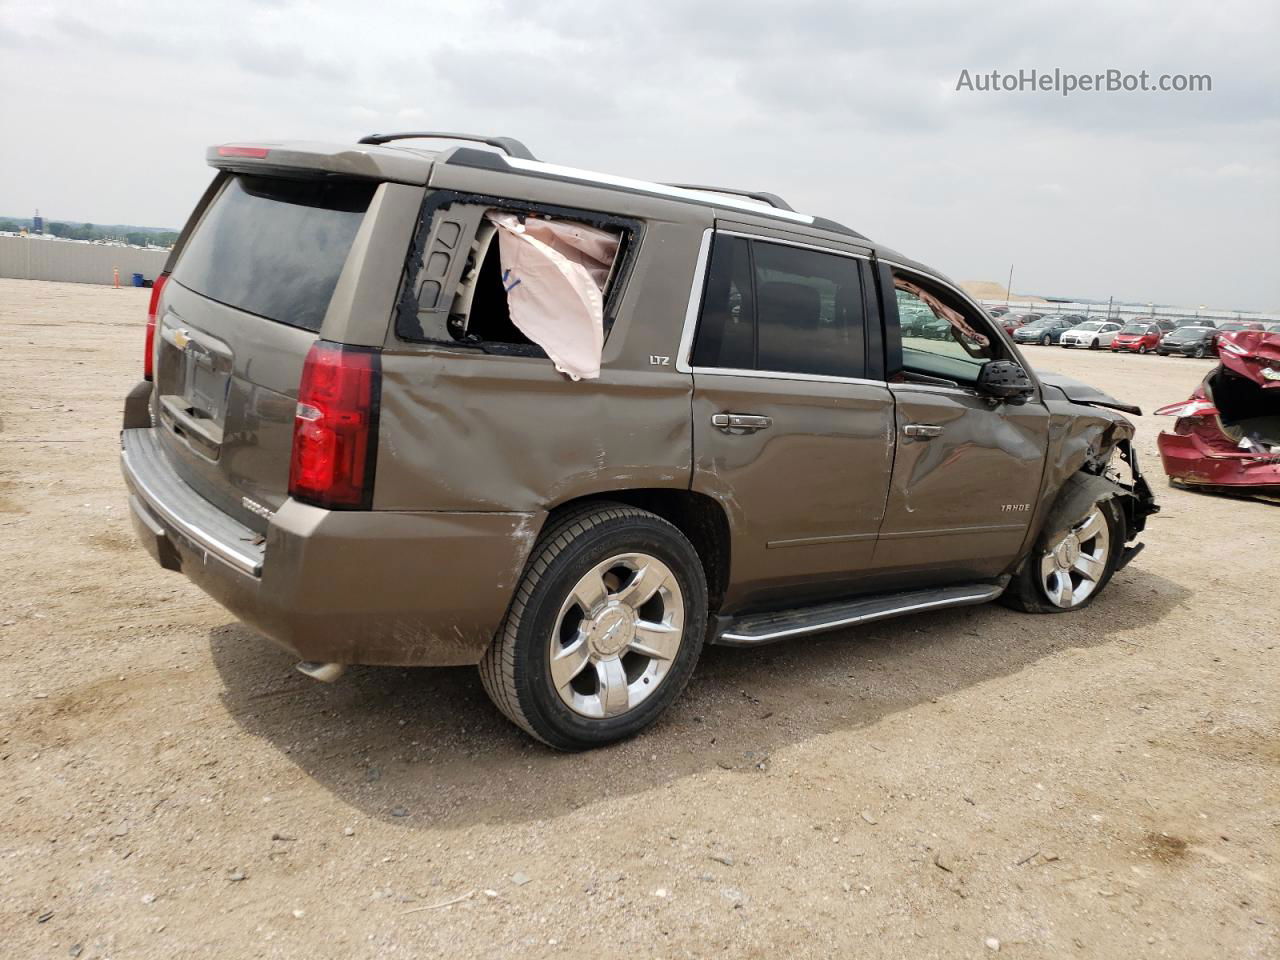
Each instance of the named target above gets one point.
<point>960,503</point>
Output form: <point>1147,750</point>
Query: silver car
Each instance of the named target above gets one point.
<point>1093,335</point>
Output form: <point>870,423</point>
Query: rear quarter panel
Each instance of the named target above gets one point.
<point>465,430</point>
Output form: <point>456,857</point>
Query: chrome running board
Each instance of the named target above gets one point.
<point>750,631</point>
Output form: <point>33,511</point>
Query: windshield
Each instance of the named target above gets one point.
<point>1138,328</point>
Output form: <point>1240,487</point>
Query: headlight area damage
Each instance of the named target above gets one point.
<point>1092,460</point>
<point>1226,438</point>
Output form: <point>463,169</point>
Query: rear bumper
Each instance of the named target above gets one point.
<point>1187,459</point>
<point>375,587</point>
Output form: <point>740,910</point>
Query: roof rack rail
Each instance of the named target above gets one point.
<point>772,199</point>
<point>508,145</point>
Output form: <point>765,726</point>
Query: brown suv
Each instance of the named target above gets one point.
<point>464,407</point>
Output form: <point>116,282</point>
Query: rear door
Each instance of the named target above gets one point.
<point>245,301</point>
<point>792,432</point>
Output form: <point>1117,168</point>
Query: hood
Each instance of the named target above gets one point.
<point>1078,392</point>
<point>1253,354</point>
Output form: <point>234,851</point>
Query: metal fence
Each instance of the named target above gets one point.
<point>1128,311</point>
<point>42,258</point>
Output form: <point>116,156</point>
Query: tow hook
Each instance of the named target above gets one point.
<point>324,672</point>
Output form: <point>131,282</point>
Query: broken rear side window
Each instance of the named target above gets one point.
<point>519,281</point>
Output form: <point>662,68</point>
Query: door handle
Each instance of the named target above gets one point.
<point>740,421</point>
<point>924,431</point>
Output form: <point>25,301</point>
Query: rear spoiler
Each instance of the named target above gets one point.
<point>366,161</point>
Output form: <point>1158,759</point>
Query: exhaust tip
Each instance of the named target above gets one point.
<point>324,672</point>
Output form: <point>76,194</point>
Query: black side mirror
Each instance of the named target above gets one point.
<point>1005,380</point>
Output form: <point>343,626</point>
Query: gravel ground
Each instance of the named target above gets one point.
<point>1103,784</point>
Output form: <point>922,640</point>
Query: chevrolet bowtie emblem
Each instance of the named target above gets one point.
<point>180,339</point>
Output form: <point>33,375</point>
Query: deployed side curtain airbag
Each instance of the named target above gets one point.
<point>554,273</point>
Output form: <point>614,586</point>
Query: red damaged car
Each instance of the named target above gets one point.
<point>1227,435</point>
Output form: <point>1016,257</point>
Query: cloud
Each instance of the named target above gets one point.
<point>847,109</point>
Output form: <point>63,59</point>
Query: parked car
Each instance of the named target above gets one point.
<point>1044,331</point>
<point>364,428</point>
<point>1272,327</point>
<point>1193,322</point>
<point>997,311</point>
<point>1188,342</point>
<point>916,319</point>
<point>1012,321</point>
<point>1164,323</point>
<point>1227,434</point>
<point>1137,338</point>
<point>1234,326</point>
<point>1091,335</point>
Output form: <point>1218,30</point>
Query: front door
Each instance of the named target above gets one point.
<point>790,435</point>
<point>968,469</point>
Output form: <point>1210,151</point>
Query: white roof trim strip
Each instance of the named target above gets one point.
<point>658,189</point>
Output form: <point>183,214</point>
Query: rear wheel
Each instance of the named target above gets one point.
<point>604,630</point>
<point>1068,570</point>
<point>1199,351</point>
<point>1046,340</point>
<point>1142,348</point>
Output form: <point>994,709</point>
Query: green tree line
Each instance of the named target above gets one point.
<point>88,231</point>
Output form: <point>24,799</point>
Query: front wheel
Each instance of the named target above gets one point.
<point>1200,352</point>
<point>1142,348</point>
<point>1067,570</point>
<point>1046,340</point>
<point>604,629</point>
<point>1093,344</point>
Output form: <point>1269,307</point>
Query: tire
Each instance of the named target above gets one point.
<point>1142,349</point>
<point>1093,344</point>
<point>1199,352</point>
<point>607,547</point>
<point>1046,340</point>
<point>1030,590</point>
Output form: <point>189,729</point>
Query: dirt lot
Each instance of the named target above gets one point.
<point>1105,784</point>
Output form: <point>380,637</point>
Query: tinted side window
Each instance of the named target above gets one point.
<point>784,309</point>
<point>809,309</point>
<point>726,328</point>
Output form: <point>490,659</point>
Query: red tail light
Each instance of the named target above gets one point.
<point>335,429</point>
<point>149,360</point>
<point>1195,407</point>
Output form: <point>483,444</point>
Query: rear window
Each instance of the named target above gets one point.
<point>275,247</point>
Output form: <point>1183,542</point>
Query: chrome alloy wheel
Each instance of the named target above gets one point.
<point>1071,568</point>
<point>616,636</point>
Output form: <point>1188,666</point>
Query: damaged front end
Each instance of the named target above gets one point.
<point>1092,459</point>
<point>1226,438</point>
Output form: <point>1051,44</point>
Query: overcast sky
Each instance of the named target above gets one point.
<point>846,109</point>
